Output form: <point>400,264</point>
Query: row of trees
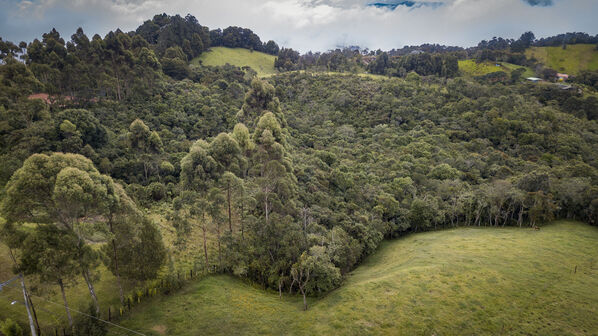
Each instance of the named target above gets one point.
<point>424,64</point>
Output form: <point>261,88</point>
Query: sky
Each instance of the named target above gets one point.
<point>316,25</point>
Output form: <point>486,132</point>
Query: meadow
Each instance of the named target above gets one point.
<point>572,60</point>
<point>262,63</point>
<point>473,68</point>
<point>466,281</point>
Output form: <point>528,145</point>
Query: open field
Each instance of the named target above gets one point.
<point>262,63</point>
<point>473,68</point>
<point>575,58</point>
<point>466,281</point>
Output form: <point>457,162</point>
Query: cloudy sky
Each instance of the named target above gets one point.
<point>315,24</point>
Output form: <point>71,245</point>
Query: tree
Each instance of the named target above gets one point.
<point>192,206</point>
<point>230,184</point>
<point>198,167</point>
<point>146,143</point>
<point>216,200</point>
<point>314,272</point>
<point>140,249</point>
<point>271,48</point>
<point>261,97</point>
<point>52,254</point>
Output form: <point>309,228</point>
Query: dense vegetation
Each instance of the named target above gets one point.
<point>294,179</point>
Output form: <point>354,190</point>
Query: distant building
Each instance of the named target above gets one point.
<point>562,77</point>
<point>534,79</point>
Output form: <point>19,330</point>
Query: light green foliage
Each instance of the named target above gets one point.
<point>241,135</point>
<point>262,63</point>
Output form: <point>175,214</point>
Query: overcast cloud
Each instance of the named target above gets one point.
<point>315,24</point>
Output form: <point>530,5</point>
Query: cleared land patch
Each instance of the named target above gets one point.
<point>575,58</point>
<point>262,63</point>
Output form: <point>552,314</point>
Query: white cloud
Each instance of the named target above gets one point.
<point>312,24</point>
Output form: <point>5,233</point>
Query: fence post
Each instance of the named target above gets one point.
<point>109,315</point>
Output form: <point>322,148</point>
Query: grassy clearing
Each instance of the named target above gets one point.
<point>467,281</point>
<point>473,68</point>
<point>262,63</point>
<point>575,58</point>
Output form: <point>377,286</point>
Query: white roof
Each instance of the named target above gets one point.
<point>534,78</point>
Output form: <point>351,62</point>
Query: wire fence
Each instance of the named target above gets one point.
<point>111,315</point>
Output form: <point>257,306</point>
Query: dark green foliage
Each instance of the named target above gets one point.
<point>287,59</point>
<point>424,64</point>
<point>89,325</point>
<point>166,31</point>
<point>140,249</point>
<point>10,327</point>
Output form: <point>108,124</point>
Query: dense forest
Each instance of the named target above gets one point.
<point>300,175</point>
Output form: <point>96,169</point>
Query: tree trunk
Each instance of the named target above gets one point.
<point>242,221</point>
<point>116,272</point>
<point>205,245</point>
<point>266,210</point>
<point>219,249</point>
<point>230,220</point>
<point>91,290</point>
<point>280,288</point>
<point>304,299</point>
<point>520,219</point>
<point>66,305</point>
<point>14,261</point>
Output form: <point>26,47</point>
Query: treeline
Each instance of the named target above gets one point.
<point>424,64</point>
<point>567,38</point>
<point>338,60</point>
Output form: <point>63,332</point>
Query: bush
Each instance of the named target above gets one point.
<point>89,326</point>
<point>11,328</point>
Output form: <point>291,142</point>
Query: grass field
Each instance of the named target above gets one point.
<point>262,63</point>
<point>467,281</point>
<point>572,60</point>
<point>472,68</point>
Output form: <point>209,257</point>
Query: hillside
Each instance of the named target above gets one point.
<point>575,58</point>
<point>475,280</point>
<point>262,63</point>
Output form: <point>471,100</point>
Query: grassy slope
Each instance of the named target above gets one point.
<point>258,61</point>
<point>472,68</point>
<point>572,60</point>
<point>463,281</point>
